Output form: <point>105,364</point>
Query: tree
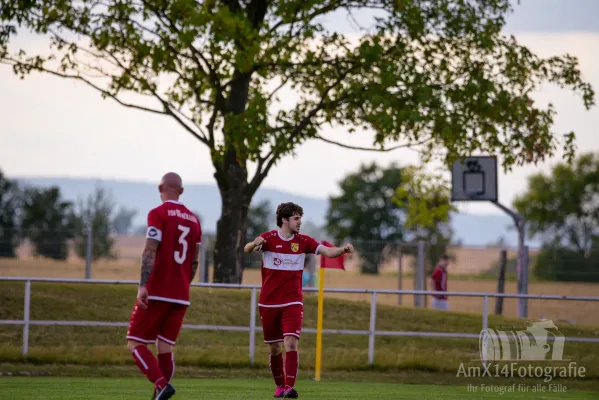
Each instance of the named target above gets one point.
<point>564,205</point>
<point>123,220</point>
<point>562,208</point>
<point>438,75</point>
<point>425,196</point>
<point>47,222</point>
<point>9,208</point>
<point>365,212</point>
<point>259,220</point>
<point>95,213</point>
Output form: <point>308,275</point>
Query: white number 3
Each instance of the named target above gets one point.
<point>180,256</point>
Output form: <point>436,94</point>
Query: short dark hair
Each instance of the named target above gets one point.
<point>444,257</point>
<point>287,210</point>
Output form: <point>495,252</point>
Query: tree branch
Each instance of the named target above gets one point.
<point>168,110</point>
<point>12,62</point>
<point>383,150</point>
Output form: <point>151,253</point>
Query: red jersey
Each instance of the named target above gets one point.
<point>178,231</point>
<point>282,268</point>
<point>439,276</point>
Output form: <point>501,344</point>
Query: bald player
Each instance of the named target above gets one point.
<point>169,263</point>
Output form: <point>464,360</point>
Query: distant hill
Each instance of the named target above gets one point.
<point>470,229</point>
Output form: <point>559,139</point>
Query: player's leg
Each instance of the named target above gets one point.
<point>273,337</point>
<point>143,328</point>
<point>291,322</point>
<point>167,337</point>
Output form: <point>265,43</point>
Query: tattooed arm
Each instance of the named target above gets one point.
<point>147,264</point>
<point>195,262</point>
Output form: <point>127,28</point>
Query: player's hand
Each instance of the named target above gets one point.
<point>142,297</point>
<point>348,248</point>
<point>258,241</point>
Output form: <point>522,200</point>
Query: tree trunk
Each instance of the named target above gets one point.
<point>231,176</point>
<point>230,238</point>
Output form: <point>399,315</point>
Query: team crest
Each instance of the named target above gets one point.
<point>294,247</point>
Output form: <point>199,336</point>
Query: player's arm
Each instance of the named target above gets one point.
<point>254,245</point>
<point>332,252</point>
<point>148,258</point>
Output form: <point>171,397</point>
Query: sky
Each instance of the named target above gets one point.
<point>53,127</point>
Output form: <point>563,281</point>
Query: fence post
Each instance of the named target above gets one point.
<point>253,326</point>
<point>372,329</point>
<point>419,276</point>
<point>203,275</point>
<point>483,348</point>
<point>88,252</point>
<point>26,318</point>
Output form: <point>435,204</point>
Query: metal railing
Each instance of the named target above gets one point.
<point>372,333</point>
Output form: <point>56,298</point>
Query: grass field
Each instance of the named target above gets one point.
<point>100,351</point>
<point>217,389</point>
<point>578,312</point>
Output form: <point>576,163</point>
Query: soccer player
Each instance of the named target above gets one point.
<point>439,282</point>
<point>169,263</point>
<point>281,301</point>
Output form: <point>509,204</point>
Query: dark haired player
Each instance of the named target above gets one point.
<point>281,300</point>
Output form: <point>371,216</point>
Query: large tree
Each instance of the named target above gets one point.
<point>95,212</point>
<point>435,73</point>
<point>47,221</point>
<point>425,197</point>
<point>9,209</point>
<point>365,212</point>
<point>562,208</point>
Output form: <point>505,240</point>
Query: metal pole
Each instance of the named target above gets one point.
<point>88,253</point>
<point>253,326</point>
<point>26,318</point>
<point>372,329</point>
<point>418,298</point>
<point>203,275</point>
<point>400,282</point>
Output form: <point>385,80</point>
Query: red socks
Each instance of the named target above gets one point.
<point>146,362</point>
<point>167,365</point>
<point>291,367</point>
<point>276,367</point>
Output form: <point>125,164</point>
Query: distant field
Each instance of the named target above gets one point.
<point>573,311</point>
<point>253,389</point>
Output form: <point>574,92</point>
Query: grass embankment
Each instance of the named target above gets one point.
<point>103,348</point>
<point>578,312</point>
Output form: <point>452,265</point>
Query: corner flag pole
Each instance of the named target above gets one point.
<point>319,325</point>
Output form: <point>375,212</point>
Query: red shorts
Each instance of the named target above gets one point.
<point>161,320</point>
<point>281,321</point>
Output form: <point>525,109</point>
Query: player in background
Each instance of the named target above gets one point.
<point>281,298</point>
<point>169,263</point>
<point>439,283</point>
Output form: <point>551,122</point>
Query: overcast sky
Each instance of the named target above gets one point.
<point>52,127</point>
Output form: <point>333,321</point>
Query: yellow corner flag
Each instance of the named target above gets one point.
<point>319,325</point>
<point>331,263</point>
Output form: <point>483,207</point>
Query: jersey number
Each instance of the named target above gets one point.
<point>180,256</point>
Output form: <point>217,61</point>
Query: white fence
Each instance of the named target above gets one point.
<point>372,333</point>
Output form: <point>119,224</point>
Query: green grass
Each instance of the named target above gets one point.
<point>55,347</point>
<point>215,389</point>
